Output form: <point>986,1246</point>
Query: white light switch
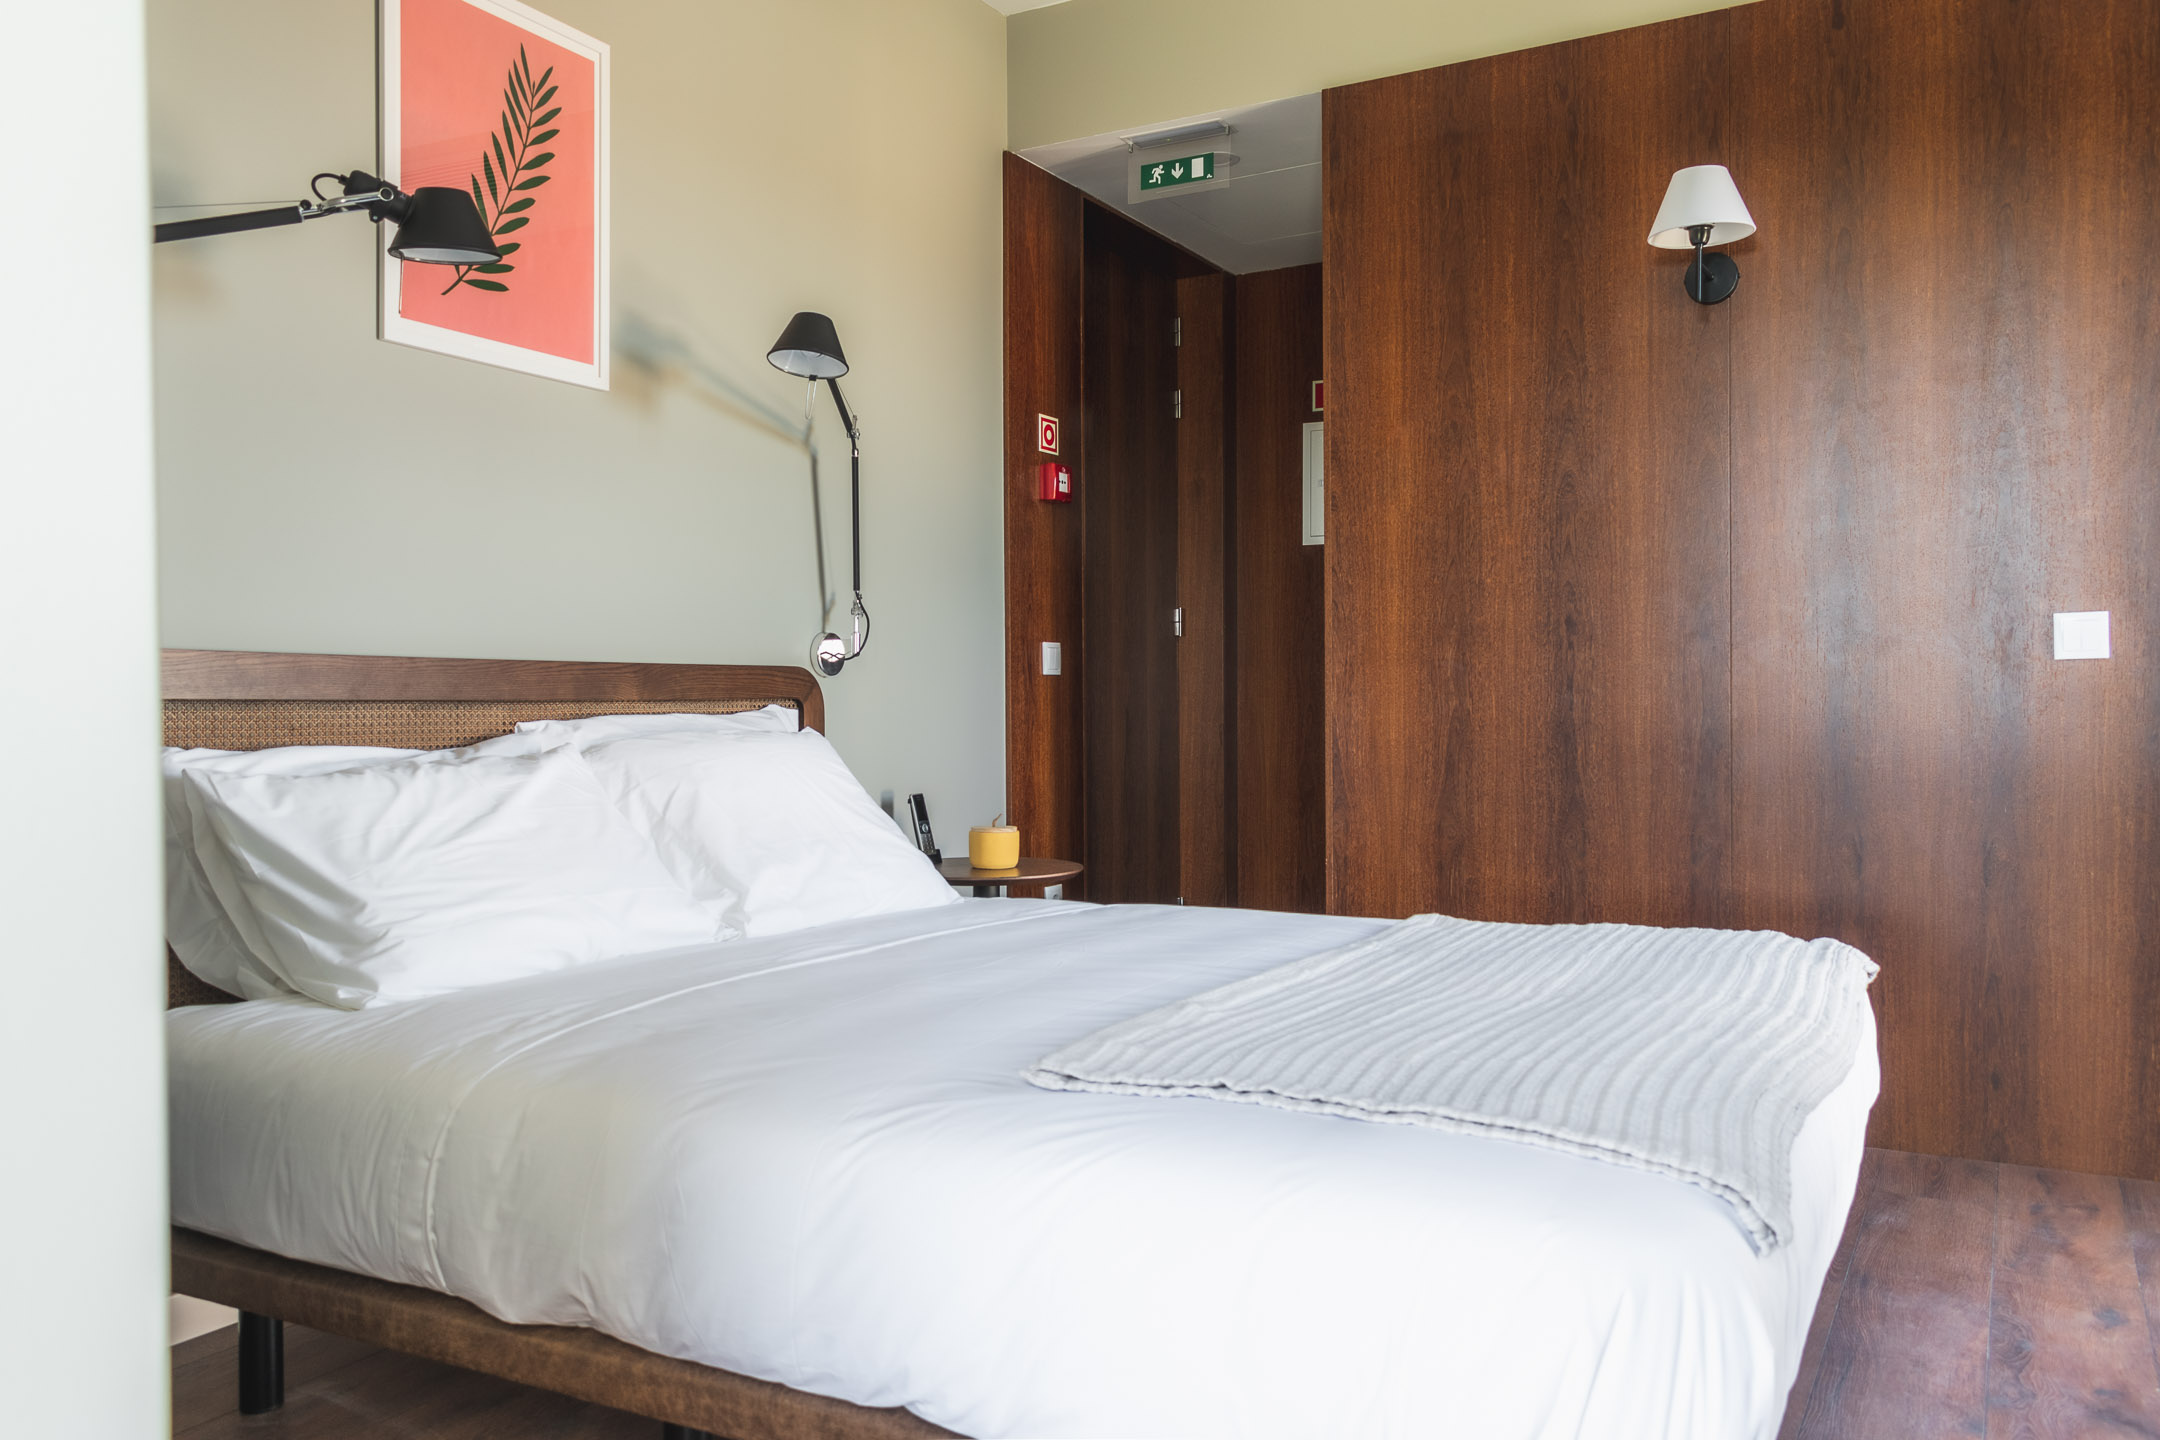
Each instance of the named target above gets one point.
<point>2081,635</point>
<point>1315,482</point>
<point>1053,658</point>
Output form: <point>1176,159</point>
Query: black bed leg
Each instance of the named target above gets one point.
<point>262,1363</point>
<point>669,1430</point>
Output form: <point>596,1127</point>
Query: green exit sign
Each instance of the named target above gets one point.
<point>1178,170</point>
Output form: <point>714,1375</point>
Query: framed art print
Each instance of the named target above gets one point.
<point>493,98</point>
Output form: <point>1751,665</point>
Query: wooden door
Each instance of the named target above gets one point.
<point>1129,491</point>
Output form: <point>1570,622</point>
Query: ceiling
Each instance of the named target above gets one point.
<point>1267,216</point>
<point>1014,7</point>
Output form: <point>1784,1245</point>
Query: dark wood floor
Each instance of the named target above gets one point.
<point>1986,1300</point>
<point>1967,1299</point>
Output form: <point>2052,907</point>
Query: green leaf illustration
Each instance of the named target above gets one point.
<point>512,152</point>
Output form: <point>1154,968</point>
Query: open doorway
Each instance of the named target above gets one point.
<point>1179,749</point>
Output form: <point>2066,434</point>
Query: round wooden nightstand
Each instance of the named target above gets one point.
<point>1030,871</point>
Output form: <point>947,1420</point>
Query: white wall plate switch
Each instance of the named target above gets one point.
<point>1315,482</point>
<point>2081,635</point>
<point>1053,658</point>
<point>1053,892</point>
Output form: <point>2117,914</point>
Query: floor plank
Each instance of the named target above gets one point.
<point>1826,1306</point>
<point>2141,1214</point>
<point>2070,1353</point>
<point>376,1393</point>
<point>1906,1354</point>
<point>206,1370</point>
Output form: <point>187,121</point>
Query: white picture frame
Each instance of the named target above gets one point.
<point>401,329</point>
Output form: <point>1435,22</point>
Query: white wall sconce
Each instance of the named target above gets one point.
<point>1703,207</point>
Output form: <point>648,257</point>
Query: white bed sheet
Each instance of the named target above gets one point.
<point>812,1158</point>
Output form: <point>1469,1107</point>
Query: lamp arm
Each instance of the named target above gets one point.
<point>827,652</point>
<point>227,224</point>
<point>847,418</point>
<point>1700,234</point>
<point>377,194</point>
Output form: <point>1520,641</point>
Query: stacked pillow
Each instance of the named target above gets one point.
<point>766,825</point>
<point>357,876</point>
<point>202,931</point>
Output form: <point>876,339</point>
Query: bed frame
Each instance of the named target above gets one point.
<point>236,700</point>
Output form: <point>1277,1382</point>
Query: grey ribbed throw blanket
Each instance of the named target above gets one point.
<point>1696,1054</point>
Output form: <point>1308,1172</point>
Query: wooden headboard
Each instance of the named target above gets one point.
<point>246,700</point>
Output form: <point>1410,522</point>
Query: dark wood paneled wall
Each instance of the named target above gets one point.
<point>1206,763</point>
<point>1281,690</point>
<point>1946,402</point>
<point>1130,484</point>
<point>1528,441</point>
<point>1043,270</point>
<point>1644,611</point>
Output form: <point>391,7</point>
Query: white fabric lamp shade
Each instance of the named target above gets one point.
<point>1701,195</point>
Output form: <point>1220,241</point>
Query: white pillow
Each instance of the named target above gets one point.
<point>595,728</point>
<point>206,939</point>
<point>771,826</point>
<point>419,877</point>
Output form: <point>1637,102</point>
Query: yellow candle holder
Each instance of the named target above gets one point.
<point>994,847</point>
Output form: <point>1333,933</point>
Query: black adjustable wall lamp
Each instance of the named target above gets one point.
<point>436,225</point>
<point>810,347</point>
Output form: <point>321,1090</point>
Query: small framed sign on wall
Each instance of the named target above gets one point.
<point>495,99</point>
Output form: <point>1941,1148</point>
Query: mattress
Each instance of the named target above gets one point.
<point>812,1158</point>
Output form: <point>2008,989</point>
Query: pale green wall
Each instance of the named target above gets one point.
<point>1088,67</point>
<point>82,1036</point>
<point>322,490</point>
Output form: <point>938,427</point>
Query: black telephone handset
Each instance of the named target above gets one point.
<point>919,816</point>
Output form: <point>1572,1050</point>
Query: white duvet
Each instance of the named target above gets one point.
<point>812,1158</point>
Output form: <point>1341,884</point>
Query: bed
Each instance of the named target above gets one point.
<point>795,1186</point>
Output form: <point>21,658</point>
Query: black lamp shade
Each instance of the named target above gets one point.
<point>441,226</point>
<point>809,347</point>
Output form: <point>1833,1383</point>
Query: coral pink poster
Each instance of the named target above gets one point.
<point>496,100</point>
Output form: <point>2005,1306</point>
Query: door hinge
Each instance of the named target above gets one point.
<point>1177,404</point>
<point>1177,331</point>
<point>1177,622</point>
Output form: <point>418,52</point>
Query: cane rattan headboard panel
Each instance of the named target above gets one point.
<point>244,700</point>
